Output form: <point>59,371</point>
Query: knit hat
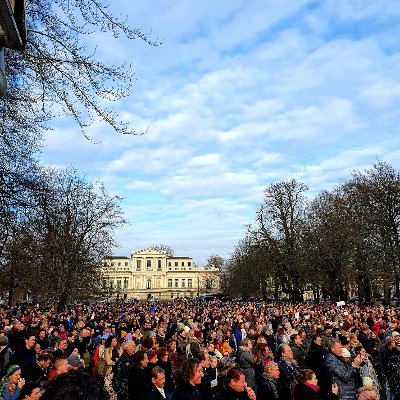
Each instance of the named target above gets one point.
<point>345,353</point>
<point>11,369</point>
<point>368,390</point>
<point>74,360</point>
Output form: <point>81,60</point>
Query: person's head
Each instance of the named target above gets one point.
<point>30,341</point>
<point>213,362</point>
<point>13,373</point>
<point>272,370</point>
<point>204,357</point>
<point>111,341</point>
<point>42,334</point>
<point>61,366</point>
<point>141,359</point>
<point>190,371</point>
<point>286,352</point>
<point>307,375</point>
<point>162,354</point>
<point>296,339</point>
<point>44,360</point>
<point>171,345</point>
<point>316,339</point>
<point>335,347</point>
<point>62,344</point>
<point>247,343</point>
<point>128,347</point>
<point>346,355</point>
<point>158,377</point>
<point>77,385</point>
<point>152,357</point>
<point>31,391</point>
<point>236,380</point>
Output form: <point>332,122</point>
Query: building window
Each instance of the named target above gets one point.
<point>148,284</point>
<point>126,263</point>
<point>189,283</point>
<point>111,284</point>
<point>119,263</point>
<point>125,283</point>
<point>172,295</point>
<point>176,263</point>
<point>183,263</point>
<point>176,282</point>
<point>118,284</point>
<point>169,263</point>
<point>112,263</point>
<point>189,264</point>
<point>148,264</point>
<point>170,283</point>
<point>138,265</point>
<point>183,283</point>
<point>158,264</point>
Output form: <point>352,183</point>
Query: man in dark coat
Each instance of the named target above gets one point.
<point>155,391</point>
<point>122,370</point>
<point>235,387</point>
<point>288,371</point>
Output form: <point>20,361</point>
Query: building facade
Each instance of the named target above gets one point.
<point>151,274</point>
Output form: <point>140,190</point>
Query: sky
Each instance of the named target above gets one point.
<point>239,95</point>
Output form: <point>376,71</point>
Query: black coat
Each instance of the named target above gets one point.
<point>152,393</point>
<point>227,393</point>
<point>287,379</point>
<point>122,370</point>
<point>139,379</point>
<point>267,390</point>
<point>186,391</point>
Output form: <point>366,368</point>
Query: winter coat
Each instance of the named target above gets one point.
<point>246,364</point>
<point>344,375</point>
<point>287,379</point>
<point>122,370</point>
<point>267,389</point>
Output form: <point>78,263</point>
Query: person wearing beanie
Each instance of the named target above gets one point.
<point>12,383</point>
<point>368,391</point>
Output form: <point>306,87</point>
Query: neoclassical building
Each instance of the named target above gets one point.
<point>150,273</point>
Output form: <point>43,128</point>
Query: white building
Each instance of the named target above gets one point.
<point>151,273</point>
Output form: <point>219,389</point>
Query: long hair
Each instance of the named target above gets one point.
<point>187,370</point>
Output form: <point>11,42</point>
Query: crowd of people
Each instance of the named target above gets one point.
<point>200,350</point>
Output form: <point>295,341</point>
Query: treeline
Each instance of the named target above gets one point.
<point>56,227</point>
<point>341,242</point>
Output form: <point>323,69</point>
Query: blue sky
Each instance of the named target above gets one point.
<point>240,94</point>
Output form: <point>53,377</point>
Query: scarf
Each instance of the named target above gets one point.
<point>315,388</point>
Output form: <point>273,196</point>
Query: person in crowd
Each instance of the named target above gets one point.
<point>368,391</point>
<point>299,354</point>
<point>267,388</point>
<point>139,376</point>
<point>76,385</point>
<point>246,361</point>
<point>12,383</point>
<point>39,371</point>
<point>25,356</point>
<point>6,355</point>
<point>288,371</point>
<point>165,363</point>
<point>156,390</point>
<point>122,370</point>
<point>235,387</point>
<point>344,375</point>
<point>60,367</point>
<point>111,354</point>
<point>187,378</point>
<point>61,349</point>
<point>31,391</point>
<point>261,356</point>
<point>307,387</point>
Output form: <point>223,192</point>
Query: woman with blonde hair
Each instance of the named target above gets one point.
<point>261,356</point>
